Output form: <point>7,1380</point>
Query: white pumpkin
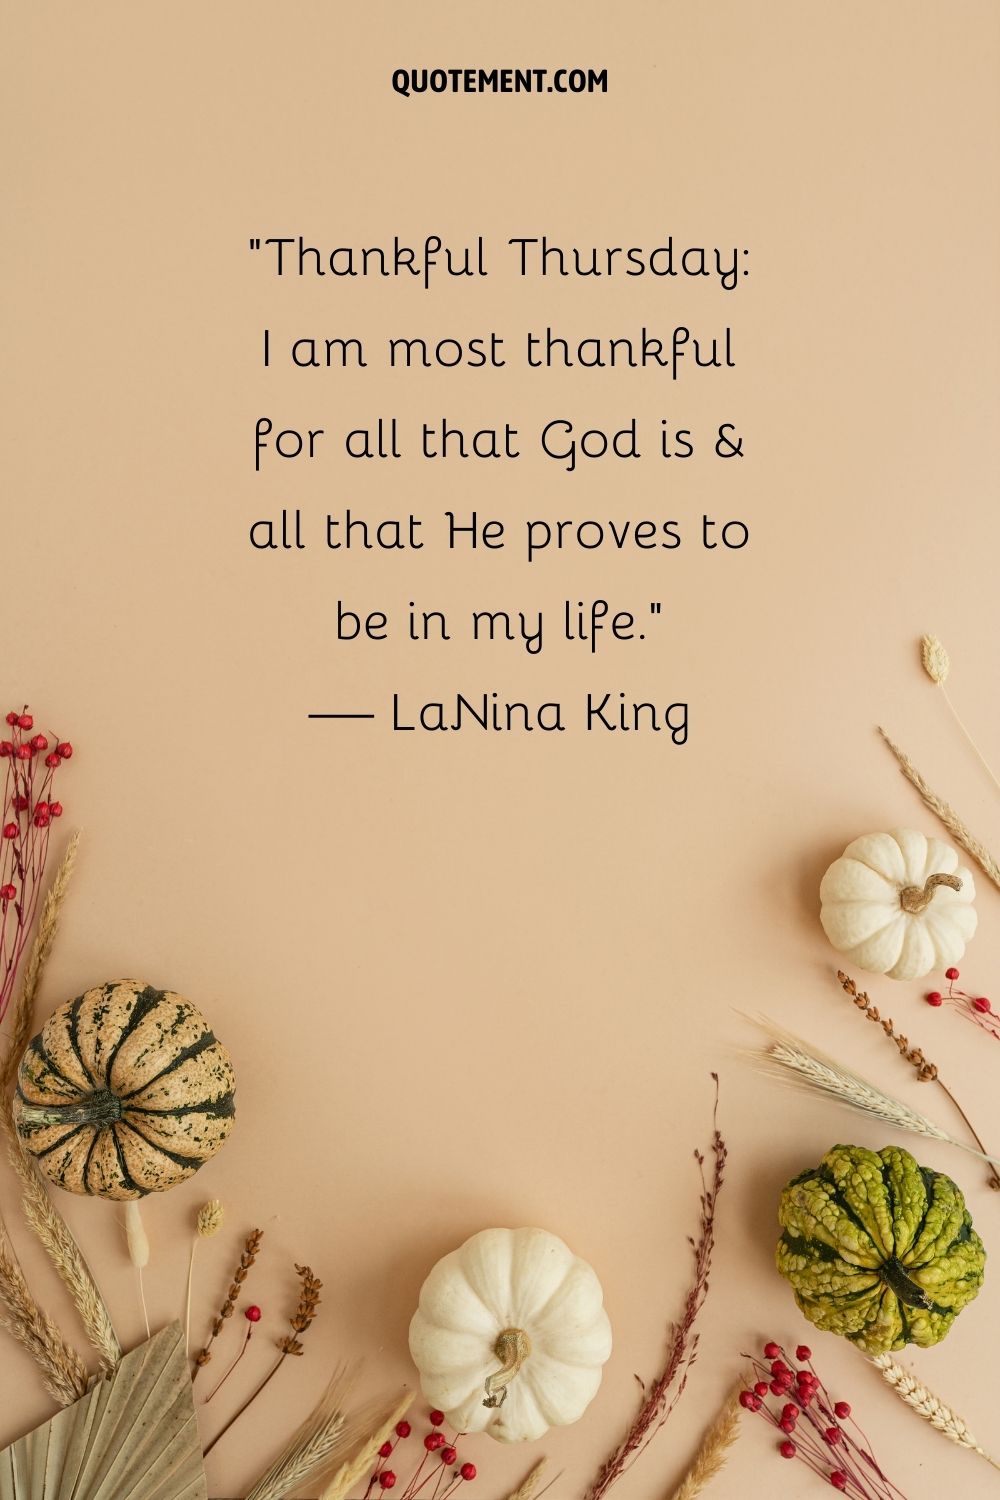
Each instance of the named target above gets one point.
<point>898,904</point>
<point>511,1335</point>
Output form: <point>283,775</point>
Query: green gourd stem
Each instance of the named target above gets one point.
<point>97,1109</point>
<point>512,1348</point>
<point>917,898</point>
<point>907,1291</point>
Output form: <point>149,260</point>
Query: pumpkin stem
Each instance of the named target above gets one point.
<point>917,898</point>
<point>897,1281</point>
<point>97,1109</point>
<point>512,1349</point>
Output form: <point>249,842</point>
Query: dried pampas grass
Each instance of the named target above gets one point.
<point>64,1375</point>
<point>791,1059</point>
<point>937,664</point>
<point>711,1457</point>
<point>947,814</point>
<point>929,1406</point>
<point>354,1469</point>
<point>321,1439</point>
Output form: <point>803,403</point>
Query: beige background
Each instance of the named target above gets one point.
<point>471,980</point>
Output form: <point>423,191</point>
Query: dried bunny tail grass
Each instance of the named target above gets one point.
<point>40,1213</point>
<point>958,830</point>
<point>354,1469</point>
<point>63,1373</point>
<point>320,1439</point>
<point>929,1406</point>
<point>529,1485</point>
<point>209,1220</point>
<point>790,1058</point>
<point>937,665</point>
<point>711,1457</point>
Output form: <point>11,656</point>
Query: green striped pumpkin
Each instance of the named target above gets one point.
<point>878,1248</point>
<point>125,1092</point>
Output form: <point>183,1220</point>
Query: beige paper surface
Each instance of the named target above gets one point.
<point>476,979</point>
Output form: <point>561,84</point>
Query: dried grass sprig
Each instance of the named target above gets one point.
<point>529,1485</point>
<point>40,1213</point>
<point>929,1406</point>
<point>250,1252</point>
<point>947,814</point>
<point>711,1457</point>
<point>353,1469</point>
<point>318,1442</point>
<point>926,1070</point>
<point>663,1395</point>
<point>792,1060</point>
<point>288,1344</point>
<point>64,1374</point>
<point>208,1222</point>
<point>937,664</point>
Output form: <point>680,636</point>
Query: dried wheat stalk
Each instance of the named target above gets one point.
<point>354,1469</point>
<point>958,830</point>
<point>64,1375</point>
<point>790,1058</point>
<point>529,1485</point>
<point>318,1441</point>
<point>711,1457</point>
<point>929,1406</point>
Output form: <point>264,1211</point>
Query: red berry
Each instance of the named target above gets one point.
<point>10,830</point>
<point>934,998</point>
<point>55,809</point>
<point>761,1388</point>
<point>64,749</point>
<point>787,1449</point>
<point>842,1410</point>
<point>6,749</point>
<point>449,1455</point>
<point>386,1450</point>
<point>750,1401</point>
<point>41,818</point>
<point>21,802</point>
<point>786,1425</point>
<point>23,752</point>
<point>779,1388</point>
<point>52,760</point>
<point>780,1368</point>
<point>951,974</point>
<point>253,1314</point>
<point>387,1479</point>
<point>12,718</point>
<point>981,1004</point>
<point>790,1412</point>
<point>803,1352</point>
<point>39,742</point>
<point>468,1471</point>
<point>8,892</point>
<point>25,721</point>
<point>403,1429</point>
<point>434,1440</point>
<point>772,1351</point>
<point>437,1417</point>
<point>838,1479</point>
<point>833,1435</point>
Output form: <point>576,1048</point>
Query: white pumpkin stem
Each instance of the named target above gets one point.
<point>512,1349</point>
<point>917,898</point>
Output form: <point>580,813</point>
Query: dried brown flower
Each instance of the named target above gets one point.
<point>249,1255</point>
<point>304,1313</point>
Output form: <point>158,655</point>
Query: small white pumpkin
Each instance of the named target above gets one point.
<point>898,904</point>
<point>511,1335</point>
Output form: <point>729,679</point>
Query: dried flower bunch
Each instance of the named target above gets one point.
<point>439,1465</point>
<point>29,810</point>
<point>663,1395</point>
<point>816,1429</point>
<point>926,1071</point>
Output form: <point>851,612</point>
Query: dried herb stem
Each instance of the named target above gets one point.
<point>250,1251</point>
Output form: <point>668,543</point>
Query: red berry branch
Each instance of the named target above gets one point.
<point>29,809</point>
<point>443,1476</point>
<point>975,1008</point>
<point>816,1429</point>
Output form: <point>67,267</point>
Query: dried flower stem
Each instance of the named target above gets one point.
<point>958,830</point>
<point>669,1385</point>
<point>208,1223</point>
<point>926,1071</point>
<point>791,1059</point>
<point>937,665</point>
<point>249,1255</point>
<point>301,1320</point>
<point>711,1457</point>
<point>929,1406</point>
<point>138,1251</point>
